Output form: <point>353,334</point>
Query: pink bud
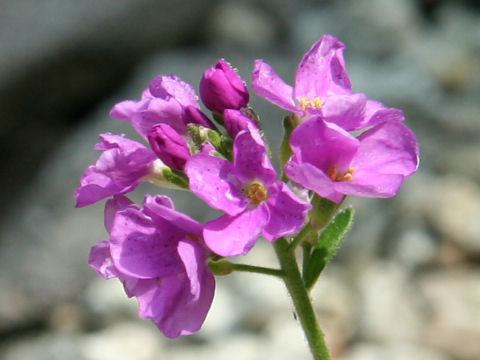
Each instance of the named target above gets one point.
<point>169,146</point>
<point>222,88</point>
<point>235,122</point>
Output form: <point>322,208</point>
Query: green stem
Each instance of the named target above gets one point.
<point>257,269</point>
<point>300,237</point>
<point>301,300</point>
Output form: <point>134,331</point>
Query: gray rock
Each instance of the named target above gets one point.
<point>453,298</point>
<point>393,351</point>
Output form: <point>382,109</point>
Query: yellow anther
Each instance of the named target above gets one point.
<point>335,176</point>
<point>256,192</point>
<point>316,103</point>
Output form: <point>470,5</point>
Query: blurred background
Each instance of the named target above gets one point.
<point>406,283</point>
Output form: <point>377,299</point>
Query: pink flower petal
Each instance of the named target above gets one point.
<point>211,179</point>
<point>322,70</point>
<point>287,212</point>
<point>271,87</point>
<point>236,235</point>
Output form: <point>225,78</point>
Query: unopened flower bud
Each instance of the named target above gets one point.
<point>235,122</point>
<point>169,146</point>
<point>222,88</point>
<point>194,115</point>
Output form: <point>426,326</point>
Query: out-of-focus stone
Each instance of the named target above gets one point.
<point>335,304</point>
<point>124,341</point>
<point>453,206</point>
<point>51,346</point>
<point>389,308</point>
<point>239,24</point>
<point>453,298</point>
<point>393,351</point>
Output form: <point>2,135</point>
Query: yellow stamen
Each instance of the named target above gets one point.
<point>256,192</point>
<point>335,176</point>
<point>316,103</point>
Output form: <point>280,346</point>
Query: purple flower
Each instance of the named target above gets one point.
<point>322,87</point>
<point>168,100</point>
<point>157,254</point>
<point>123,164</point>
<point>169,145</point>
<point>255,202</point>
<point>333,163</point>
<point>235,122</point>
<point>222,88</point>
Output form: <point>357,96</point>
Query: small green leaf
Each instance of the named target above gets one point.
<point>328,243</point>
<point>176,178</point>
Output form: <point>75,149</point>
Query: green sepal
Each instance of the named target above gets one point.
<point>218,118</point>
<point>175,177</point>
<point>220,267</point>
<point>285,149</point>
<point>322,212</point>
<point>328,243</point>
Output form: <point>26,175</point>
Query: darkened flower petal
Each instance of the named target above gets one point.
<point>112,206</point>
<point>157,208</point>
<point>178,304</point>
<point>141,248</point>
<point>235,235</point>
<point>287,212</point>
<point>271,87</point>
<point>118,170</point>
<point>211,179</point>
<point>101,261</point>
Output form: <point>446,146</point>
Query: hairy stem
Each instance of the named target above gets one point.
<point>301,300</point>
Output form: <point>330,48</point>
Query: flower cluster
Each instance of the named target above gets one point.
<point>161,255</point>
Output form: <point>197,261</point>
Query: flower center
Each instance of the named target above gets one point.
<point>256,192</point>
<point>316,103</point>
<point>335,176</point>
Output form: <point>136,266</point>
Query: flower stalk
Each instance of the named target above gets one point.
<point>301,300</point>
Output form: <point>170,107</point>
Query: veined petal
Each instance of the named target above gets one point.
<point>235,235</point>
<point>347,111</point>
<point>271,87</point>
<point>250,157</point>
<point>212,180</point>
<point>101,261</point>
<point>165,86</point>
<point>389,148</point>
<point>112,206</point>
<point>287,212</point>
<point>155,207</point>
<point>168,111</point>
<point>125,109</point>
<point>142,249</point>
<point>118,170</point>
<point>376,113</point>
<point>322,70</point>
